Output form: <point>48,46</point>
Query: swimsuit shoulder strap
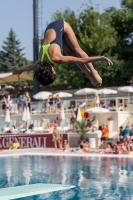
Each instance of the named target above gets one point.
<point>45,52</point>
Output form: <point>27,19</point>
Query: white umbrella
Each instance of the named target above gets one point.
<point>8,97</point>
<point>28,113</point>
<point>128,89</point>
<point>97,110</point>
<point>85,91</point>
<point>106,91</point>
<point>63,94</point>
<point>62,114</point>
<point>42,95</point>
<point>79,117</point>
<point>7,117</point>
<point>24,117</point>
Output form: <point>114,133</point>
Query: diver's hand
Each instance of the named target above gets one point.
<point>36,64</point>
<point>107,60</point>
<point>17,71</point>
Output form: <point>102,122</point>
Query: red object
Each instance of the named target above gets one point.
<point>28,140</point>
<point>86,115</point>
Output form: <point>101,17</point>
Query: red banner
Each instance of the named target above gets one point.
<point>28,140</point>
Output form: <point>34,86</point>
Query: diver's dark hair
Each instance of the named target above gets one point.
<point>44,74</point>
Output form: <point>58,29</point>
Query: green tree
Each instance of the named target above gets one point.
<point>127,4</point>
<point>121,20</point>
<point>11,55</point>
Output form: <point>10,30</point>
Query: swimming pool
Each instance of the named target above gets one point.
<point>95,178</point>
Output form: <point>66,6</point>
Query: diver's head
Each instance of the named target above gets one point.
<point>45,74</point>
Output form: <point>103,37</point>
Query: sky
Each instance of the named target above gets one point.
<point>18,15</point>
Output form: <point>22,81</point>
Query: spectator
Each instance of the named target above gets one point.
<point>126,133</point>
<point>4,104</point>
<point>96,100</point>
<point>9,104</point>
<point>51,101</point>
<point>3,92</point>
<point>44,107</point>
<point>131,145</point>
<point>127,145</point>
<point>122,147</point>
<point>115,149</point>
<point>56,137</point>
<point>109,148</point>
<point>105,133</point>
<point>58,103</point>
<point>20,104</point>
<point>28,100</point>
<point>73,120</point>
<point>120,104</point>
<point>80,149</point>
<point>86,146</point>
<point>76,110</point>
<point>66,146</point>
<point>24,101</point>
<point>121,133</point>
<point>111,104</point>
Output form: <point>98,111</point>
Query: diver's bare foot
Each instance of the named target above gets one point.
<point>94,77</point>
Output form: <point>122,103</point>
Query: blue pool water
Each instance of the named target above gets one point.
<point>94,178</point>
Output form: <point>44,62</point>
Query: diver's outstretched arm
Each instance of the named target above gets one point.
<point>59,58</point>
<point>26,68</point>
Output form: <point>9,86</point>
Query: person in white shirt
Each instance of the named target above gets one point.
<point>96,100</point>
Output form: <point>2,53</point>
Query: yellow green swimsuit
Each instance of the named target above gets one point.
<point>58,27</point>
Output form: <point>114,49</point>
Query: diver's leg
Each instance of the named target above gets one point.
<point>83,67</point>
<point>71,40</point>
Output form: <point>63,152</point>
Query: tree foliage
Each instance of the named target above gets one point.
<point>11,54</point>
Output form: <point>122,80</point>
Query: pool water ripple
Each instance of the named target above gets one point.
<point>94,178</point>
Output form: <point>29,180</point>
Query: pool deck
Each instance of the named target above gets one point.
<point>49,152</point>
